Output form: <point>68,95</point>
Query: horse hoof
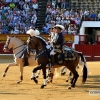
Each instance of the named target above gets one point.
<point>49,81</point>
<point>19,82</point>
<point>36,76</point>
<point>69,87</point>
<point>66,80</point>
<point>32,78</point>
<point>3,75</point>
<point>36,81</point>
<point>73,86</point>
<point>63,73</point>
<point>43,86</point>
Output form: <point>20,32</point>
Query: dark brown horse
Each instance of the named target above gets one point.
<point>39,44</point>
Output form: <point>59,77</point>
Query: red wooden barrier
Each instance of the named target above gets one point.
<point>91,52</point>
<point>96,52</point>
<point>1,49</point>
<point>86,51</point>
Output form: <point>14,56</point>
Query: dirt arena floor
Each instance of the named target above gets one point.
<point>28,90</point>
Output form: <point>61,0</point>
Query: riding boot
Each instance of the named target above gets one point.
<point>26,61</point>
<point>25,57</point>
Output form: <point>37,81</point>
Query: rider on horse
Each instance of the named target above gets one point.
<point>32,32</point>
<point>57,41</point>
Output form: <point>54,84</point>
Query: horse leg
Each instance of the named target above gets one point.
<point>9,65</point>
<point>38,73</point>
<point>21,73</point>
<point>33,73</point>
<point>44,77</point>
<point>63,71</point>
<point>69,77</point>
<point>74,78</point>
<point>50,75</point>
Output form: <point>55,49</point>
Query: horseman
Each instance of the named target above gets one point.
<point>57,41</point>
<point>32,32</point>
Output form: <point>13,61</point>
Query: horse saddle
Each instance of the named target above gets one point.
<point>67,54</point>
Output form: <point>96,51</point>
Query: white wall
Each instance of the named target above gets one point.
<point>88,24</point>
<point>76,39</point>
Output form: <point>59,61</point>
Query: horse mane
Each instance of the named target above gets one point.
<point>42,39</point>
<point>18,38</point>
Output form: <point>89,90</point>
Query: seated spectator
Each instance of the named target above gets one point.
<point>10,27</point>
<point>86,12</point>
<point>77,22</point>
<point>59,4</point>
<point>20,4</point>
<point>67,22</point>
<point>68,3</point>
<point>63,4</point>
<point>58,19</point>
<point>99,16</point>
<point>53,4</point>
<point>12,5</point>
<point>49,5</point>
<point>16,30</point>
<point>72,29</point>
<point>53,12</point>
<point>4,30</point>
<point>45,29</point>
<point>1,30</point>
<point>76,29</point>
<point>26,7</point>
<point>93,15</point>
<point>35,6</point>
<point>63,21</point>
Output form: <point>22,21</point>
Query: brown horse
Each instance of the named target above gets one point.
<point>39,44</point>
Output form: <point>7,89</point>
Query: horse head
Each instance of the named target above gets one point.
<point>8,44</point>
<point>37,43</point>
<point>12,43</point>
<point>31,44</point>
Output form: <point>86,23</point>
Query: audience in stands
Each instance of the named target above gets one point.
<point>16,16</point>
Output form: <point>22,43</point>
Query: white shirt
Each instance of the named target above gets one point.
<point>35,6</point>
<point>8,1</point>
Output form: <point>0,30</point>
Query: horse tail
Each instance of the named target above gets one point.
<point>84,69</point>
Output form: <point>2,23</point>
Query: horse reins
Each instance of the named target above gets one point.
<point>40,53</point>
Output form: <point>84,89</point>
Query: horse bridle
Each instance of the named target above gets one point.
<point>7,43</point>
<point>42,51</point>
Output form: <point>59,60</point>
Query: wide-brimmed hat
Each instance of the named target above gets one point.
<point>59,26</point>
<point>33,32</point>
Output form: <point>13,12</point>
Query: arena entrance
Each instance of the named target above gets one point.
<point>91,34</point>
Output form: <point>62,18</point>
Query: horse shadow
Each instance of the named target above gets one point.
<point>92,82</point>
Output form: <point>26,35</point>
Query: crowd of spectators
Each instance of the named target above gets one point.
<point>16,16</point>
<point>61,13</point>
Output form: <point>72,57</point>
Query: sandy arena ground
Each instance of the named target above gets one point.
<point>28,90</point>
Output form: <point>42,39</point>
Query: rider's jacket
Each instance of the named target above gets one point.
<point>58,40</point>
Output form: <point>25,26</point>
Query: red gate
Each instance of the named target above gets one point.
<point>1,49</point>
<point>91,52</point>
